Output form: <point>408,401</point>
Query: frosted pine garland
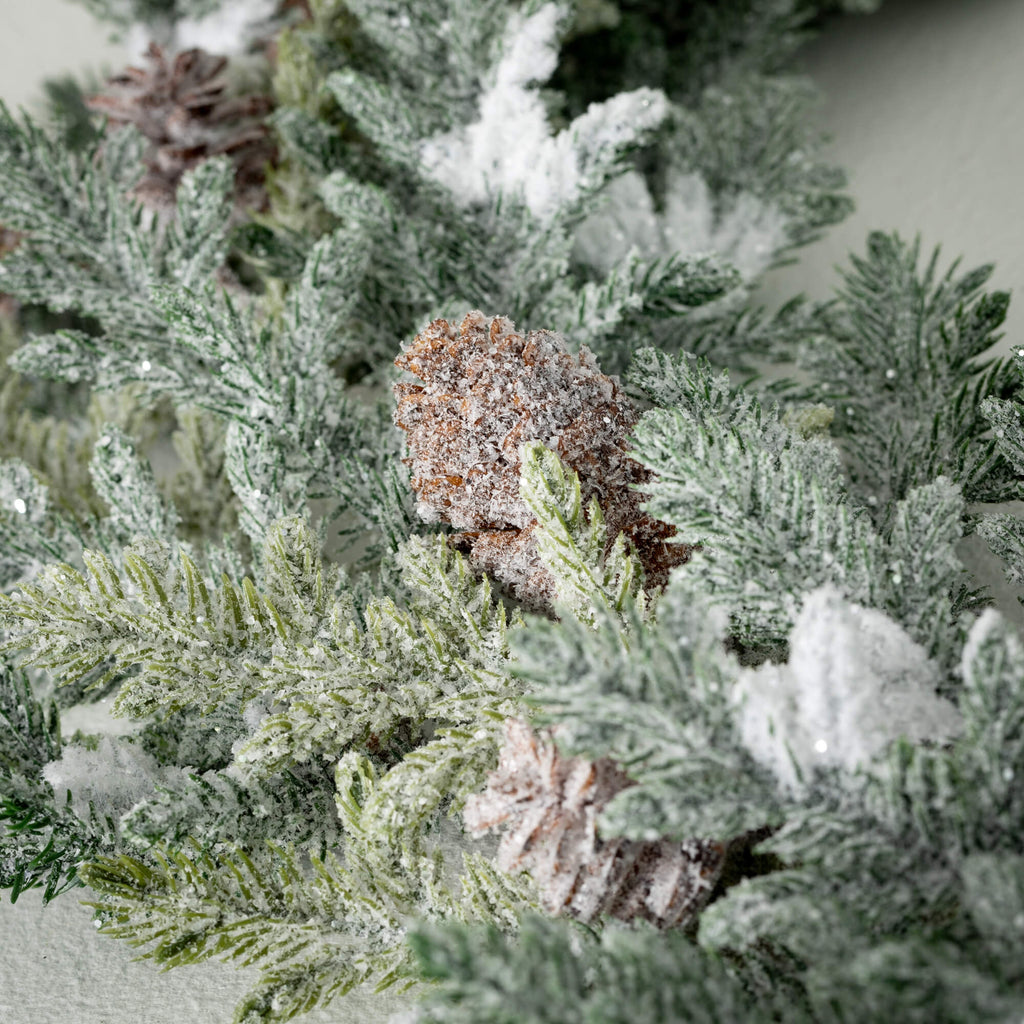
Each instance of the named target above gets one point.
<point>466,627</point>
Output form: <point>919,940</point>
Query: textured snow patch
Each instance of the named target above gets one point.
<point>114,777</point>
<point>854,682</point>
<point>748,233</point>
<point>227,31</point>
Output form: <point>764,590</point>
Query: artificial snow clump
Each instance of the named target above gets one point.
<point>748,234</point>
<point>229,30</point>
<point>113,777</point>
<point>510,149</point>
<point>854,682</point>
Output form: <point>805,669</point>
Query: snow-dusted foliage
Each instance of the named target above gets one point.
<point>704,655</point>
<point>510,149</point>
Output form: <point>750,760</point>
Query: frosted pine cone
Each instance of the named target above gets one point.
<point>9,240</point>
<point>488,390</point>
<point>551,804</point>
<point>180,108</point>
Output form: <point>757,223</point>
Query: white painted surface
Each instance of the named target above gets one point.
<point>924,100</point>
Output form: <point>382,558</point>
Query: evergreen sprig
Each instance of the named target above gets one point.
<point>92,250</point>
<point>42,842</point>
<point>189,907</point>
<point>770,509</point>
<point>379,680</point>
<point>624,974</point>
<point>315,931</point>
<point>903,365</point>
<point>592,574</point>
<point>653,696</point>
<point>191,637</point>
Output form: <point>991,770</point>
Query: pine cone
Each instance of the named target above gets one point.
<point>9,240</point>
<point>487,390</point>
<point>180,107</point>
<point>552,804</point>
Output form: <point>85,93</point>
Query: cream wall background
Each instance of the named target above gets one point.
<point>925,101</point>
<point>43,38</point>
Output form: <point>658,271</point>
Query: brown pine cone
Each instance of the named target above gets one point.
<point>180,108</point>
<point>551,804</point>
<point>9,240</point>
<point>487,390</point>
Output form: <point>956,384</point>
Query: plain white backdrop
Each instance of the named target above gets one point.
<point>924,102</point>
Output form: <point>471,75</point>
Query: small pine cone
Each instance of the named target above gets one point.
<point>551,804</point>
<point>9,240</point>
<point>179,106</point>
<point>488,390</point>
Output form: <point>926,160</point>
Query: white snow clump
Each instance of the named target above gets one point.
<point>510,149</point>
<point>115,776</point>
<point>227,31</point>
<point>854,682</point>
<point>748,234</point>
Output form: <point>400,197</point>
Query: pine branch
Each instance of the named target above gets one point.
<point>615,316</point>
<point>961,798</point>
<point>991,756</point>
<point>444,658</point>
<point>124,491</point>
<point>190,908</point>
<point>315,932</point>
<point>752,136</point>
<point>994,894</point>
<point>653,697</point>
<point>770,509</point>
<point>903,367</point>
<point>295,807</point>
<point>42,842</point>
<point>127,487</point>
<point>32,532</point>
<point>196,643</point>
<point>884,883</point>
<point>590,570</point>
<point>559,973</point>
<point>90,250</point>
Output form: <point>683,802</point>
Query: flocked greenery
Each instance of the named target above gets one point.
<point>205,518</point>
